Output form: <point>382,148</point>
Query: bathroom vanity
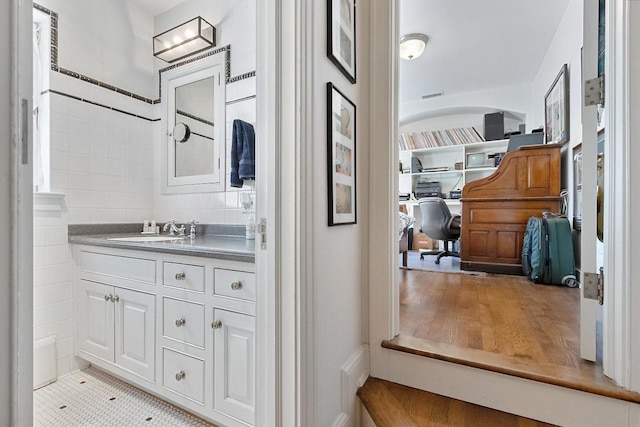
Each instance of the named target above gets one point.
<point>173,317</point>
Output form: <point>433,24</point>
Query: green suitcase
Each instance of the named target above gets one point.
<point>547,253</point>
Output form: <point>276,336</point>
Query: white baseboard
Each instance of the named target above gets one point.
<point>353,374</point>
<point>44,362</point>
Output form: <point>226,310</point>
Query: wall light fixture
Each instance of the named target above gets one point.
<point>186,39</point>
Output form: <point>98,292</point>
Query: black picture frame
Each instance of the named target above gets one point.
<point>341,158</point>
<point>341,36</point>
<point>556,109</point>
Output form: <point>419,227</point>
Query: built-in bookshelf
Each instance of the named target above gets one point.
<point>439,138</point>
<point>449,165</point>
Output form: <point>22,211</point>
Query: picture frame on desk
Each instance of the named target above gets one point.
<point>341,36</point>
<point>341,157</point>
<point>556,109</point>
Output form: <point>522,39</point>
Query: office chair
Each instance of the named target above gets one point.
<point>439,224</point>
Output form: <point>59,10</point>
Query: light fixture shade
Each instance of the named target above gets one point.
<point>184,40</point>
<point>412,45</point>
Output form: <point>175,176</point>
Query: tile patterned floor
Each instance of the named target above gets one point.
<point>91,398</point>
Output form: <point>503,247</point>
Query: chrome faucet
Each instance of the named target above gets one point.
<point>173,228</point>
<point>192,228</point>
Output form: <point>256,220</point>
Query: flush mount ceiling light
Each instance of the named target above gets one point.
<point>412,45</point>
<point>186,39</point>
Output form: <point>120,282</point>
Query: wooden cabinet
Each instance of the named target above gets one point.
<point>118,326</point>
<point>180,327</point>
<point>495,209</point>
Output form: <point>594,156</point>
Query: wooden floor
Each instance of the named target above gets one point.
<point>501,323</point>
<point>394,405</point>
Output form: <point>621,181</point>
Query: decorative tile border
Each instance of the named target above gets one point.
<point>241,77</point>
<point>56,68</point>
<point>88,101</point>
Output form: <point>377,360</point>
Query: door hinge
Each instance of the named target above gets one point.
<point>594,91</point>
<point>594,286</point>
<point>262,231</point>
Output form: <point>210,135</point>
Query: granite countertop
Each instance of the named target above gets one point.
<point>225,242</point>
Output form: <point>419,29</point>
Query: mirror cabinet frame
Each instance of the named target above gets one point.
<point>211,66</point>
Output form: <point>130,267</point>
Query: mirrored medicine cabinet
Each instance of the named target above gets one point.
<point>193,127</point>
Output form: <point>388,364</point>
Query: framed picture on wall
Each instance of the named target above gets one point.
<point>341,157</point>
<point>556,109</point>
<point>341,36</point>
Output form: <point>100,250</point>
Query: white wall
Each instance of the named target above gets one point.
<point>340,252</point>
<point>108,41</point>
<point>565,48</point>
<point>235,22</point>
<point>457,121</point>
<point>103,161</point>
<point>515,99</point>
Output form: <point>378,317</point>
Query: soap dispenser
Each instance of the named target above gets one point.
<point>250,228</point>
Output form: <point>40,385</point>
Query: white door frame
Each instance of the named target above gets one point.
<point>384,305</point>
<point>277,267</point>
<point>620,346</point>
<point>20,225</point>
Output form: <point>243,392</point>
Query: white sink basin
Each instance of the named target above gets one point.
<point>146,238</point>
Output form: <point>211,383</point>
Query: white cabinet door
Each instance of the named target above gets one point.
<point>234,364</point>
<point>95,332</point>
<point>135,331</point>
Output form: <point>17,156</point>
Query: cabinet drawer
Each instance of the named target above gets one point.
<point>183,321</point>
<point>183,374</point>
<point>185,276</point>
<point>116,266</point>
<point>235,284</point>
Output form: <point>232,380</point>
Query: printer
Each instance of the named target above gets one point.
<point>428,189</point>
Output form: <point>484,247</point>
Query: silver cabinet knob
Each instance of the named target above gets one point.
<point>108,297</point>
<point>180,322</point>
<point>236,286</point>
<point>180,276</point>
<point>217,324</point>
<point>115,298</point>
<point>180,376</point>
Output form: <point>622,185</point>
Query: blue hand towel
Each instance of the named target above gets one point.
<point>243,153</point>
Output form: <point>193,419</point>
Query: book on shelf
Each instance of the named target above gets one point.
<point>439,138</point>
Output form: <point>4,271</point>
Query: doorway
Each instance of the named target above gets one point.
<point>52,220</point>
<point>445,114</point>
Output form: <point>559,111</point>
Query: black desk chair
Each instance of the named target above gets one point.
<point>439,224</point>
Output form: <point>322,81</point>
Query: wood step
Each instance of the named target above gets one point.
<point>394,405</point>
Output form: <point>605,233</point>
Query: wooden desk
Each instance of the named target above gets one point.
<point>495,209</point>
